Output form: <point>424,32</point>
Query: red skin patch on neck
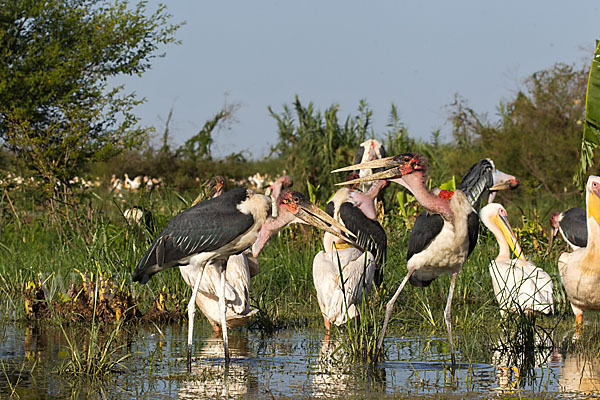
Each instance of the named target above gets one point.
<point>445,194</point>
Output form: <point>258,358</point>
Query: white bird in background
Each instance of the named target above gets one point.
<point>580,270</point>
<point>518,284</point>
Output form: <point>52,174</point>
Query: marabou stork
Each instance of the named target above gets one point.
<point>442,237</point>
<point>213,188</point>
<point>368,150</point>
<point>215,229</point>
<point>339,295</point>
<point>580,270</point>
<point>572,227</point>
<point>240,268</point>
<point>518,284</point>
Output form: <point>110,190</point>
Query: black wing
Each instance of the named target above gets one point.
<point>427,226</point>
<point>574,226</point>
<point>207,226</point>
<point>359,155</point>
<point>369,233</point>
<point>330,209</point>
<point>473,227</point>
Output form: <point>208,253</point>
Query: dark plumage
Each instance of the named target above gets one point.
<point>572,225</point>
<point>474,184</point>
<point>196,230</point>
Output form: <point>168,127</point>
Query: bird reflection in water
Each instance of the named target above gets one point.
<point>335,374</point>
<point>215,379</point>
<point>523,349</point>
<point>580,373</point>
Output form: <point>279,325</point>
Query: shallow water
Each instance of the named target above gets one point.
<point>290,363</point>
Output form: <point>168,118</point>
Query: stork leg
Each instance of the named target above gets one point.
<point>223,310</point>
<point>448,316</point>
<point>389,307</point>
<point>191,312</point>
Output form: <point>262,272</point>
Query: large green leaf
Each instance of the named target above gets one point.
<point>591,123</point>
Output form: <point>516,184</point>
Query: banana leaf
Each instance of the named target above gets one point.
<point>591,123</point>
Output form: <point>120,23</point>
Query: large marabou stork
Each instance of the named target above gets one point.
<point>572,227</point>
<point>340,294</point>
<point>216,229</point>
<point>240,268</point>
<point>443,237</point>
<point>369,150</point>
<point>580,270</point>
<point>518,284</point>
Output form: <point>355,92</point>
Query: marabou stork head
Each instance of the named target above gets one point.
<point>351,176</point>
<point>295,207</point>
<point>215,186</point>
<point>554,220</point>
<point>399,165</point>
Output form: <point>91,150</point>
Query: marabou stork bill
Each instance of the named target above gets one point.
<point>518,284</point>
<point>217,228</point>
<point>572,227</point>
<point>339,294</point>
<point>442,237</point>
<point>580,270</point>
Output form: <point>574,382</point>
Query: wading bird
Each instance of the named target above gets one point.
<point>580,270</point>
<point>240,268</point>
<point>339,293</point>
<point>369,150</point>
<point>238,271</point>
<point>572,227</point>
<point>213,188</point>
<point>444,236</point>
<point>518,284</point>
<point>216,229</point>
<point>275,189</point>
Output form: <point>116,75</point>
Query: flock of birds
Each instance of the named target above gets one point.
<point>216,243</point>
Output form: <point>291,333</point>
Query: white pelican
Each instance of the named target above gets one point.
<point>580,270</point>
<point>518,284</point>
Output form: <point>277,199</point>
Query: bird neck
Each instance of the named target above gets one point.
<point>432,203</point>
<point>269,227</point>
<point>365,203</point>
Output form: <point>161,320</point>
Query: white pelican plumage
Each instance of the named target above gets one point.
<point>580,270</point>
<point>518,284</point>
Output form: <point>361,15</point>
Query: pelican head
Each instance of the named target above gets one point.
<point>495,214</point>
<point>593,198</point>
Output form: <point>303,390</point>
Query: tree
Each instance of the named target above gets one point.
<point>537,137</point>
<point>57,109</point>
<point>313,143</point>
<point>198,146</point>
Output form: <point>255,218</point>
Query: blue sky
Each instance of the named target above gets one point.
<point>415,54</point>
